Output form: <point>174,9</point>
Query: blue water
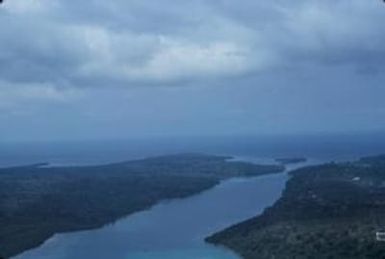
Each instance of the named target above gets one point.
<point>172,229</point>
<point>177,228</point>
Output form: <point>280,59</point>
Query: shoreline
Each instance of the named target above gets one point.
<point>175,176</point>
<point>174,214</point>
<point>333,201</point>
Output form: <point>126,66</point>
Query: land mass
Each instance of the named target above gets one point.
<point>37,201</point>
<point>327,211</point>
<point>291,160</point>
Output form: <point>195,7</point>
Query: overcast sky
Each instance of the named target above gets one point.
<point>127,68</point>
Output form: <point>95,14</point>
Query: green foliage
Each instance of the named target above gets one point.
<point>37,202</point>
<point>326,211</point>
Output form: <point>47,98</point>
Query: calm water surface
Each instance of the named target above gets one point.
<point>177,228</point>
<point>171,229</point>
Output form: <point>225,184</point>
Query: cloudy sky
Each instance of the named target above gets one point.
<point>126,68</point>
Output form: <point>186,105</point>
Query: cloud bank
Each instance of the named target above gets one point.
<point>77,69</point>
<point>131,43</point>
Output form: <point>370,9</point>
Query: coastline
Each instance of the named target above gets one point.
<point>105,193</point>
<point>334,201</point>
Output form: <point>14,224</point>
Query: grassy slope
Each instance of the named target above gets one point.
<point>325,212</point>
<point>37,202</point>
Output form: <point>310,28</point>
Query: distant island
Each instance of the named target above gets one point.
<point>292,160</point>
<point>37,201</point>
<point>335,210</point>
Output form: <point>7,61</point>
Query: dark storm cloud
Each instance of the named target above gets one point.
<point>268,66</point>
<point>139,42</point>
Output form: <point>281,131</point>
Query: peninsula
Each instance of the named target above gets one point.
<point>38,201</point>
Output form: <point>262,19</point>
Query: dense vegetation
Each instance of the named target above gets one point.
<point>37,202</point>
<point>327,211</point>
